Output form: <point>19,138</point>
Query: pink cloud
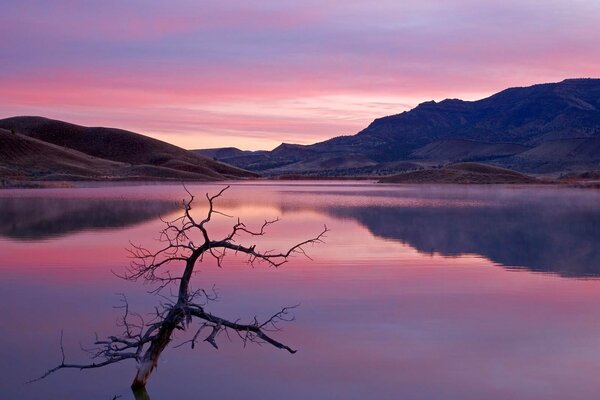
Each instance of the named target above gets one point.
<point>182,70</point>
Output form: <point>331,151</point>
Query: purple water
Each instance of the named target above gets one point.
<point>418,293</point>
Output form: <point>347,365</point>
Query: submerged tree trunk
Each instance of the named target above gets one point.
<point>145,368</point>
<point>174,319</point>
<point>145,342</point>
<point>140,394</point>
<point>150,359</point>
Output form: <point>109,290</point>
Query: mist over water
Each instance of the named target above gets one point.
<point>455,292</point>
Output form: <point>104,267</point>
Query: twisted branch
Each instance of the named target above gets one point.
<point>185,241</point>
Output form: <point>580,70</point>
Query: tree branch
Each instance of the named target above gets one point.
<point>184,243</point>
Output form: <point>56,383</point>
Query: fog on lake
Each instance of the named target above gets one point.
<point>420,292</point>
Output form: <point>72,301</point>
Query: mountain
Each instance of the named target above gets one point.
<point>577,154</point>
<point>466,150</point>
<point>511,123</point>
<point>44,149</point>
<point>225,152</point>
<point>548,128</point>
<point>462,173</point>
<point>526,116</point>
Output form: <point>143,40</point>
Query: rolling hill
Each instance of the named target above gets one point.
<point>46,149</point>
<point>548,128</point>
<point>25,157</point>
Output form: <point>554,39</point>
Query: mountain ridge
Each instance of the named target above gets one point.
<point>521,117</point>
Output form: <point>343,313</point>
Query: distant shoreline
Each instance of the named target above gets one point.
<point>31,184</point>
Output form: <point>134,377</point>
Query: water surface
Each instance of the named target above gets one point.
<point>420,292</point>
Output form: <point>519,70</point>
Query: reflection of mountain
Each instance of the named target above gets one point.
<point>538,237</point>
<point>42,218</point>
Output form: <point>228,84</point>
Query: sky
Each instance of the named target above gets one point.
<point>203,74</point>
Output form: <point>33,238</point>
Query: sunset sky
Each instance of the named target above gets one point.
<point>254,74</point>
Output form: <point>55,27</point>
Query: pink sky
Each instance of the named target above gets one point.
<point>255,74</point>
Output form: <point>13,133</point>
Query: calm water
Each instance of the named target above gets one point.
<point>419,293</point>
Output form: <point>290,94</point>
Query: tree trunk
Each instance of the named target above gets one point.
<point>140,394</point>
<point>144,370</point>
<point>173,319</point>
<point>150,359</point>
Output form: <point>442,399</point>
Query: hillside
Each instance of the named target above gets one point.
<point>511,123</point>
<point>466,150</point>
<point>472,173</point>
<point>25,157</point>
<point>526,116</point>
<point>551,128</point>
<point>563,155</point>
<point>100,153</point>
<point>585,149</point>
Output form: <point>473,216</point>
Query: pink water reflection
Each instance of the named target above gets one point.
<point>378,319</point>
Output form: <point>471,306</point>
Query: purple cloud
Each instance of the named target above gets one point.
<point>212,63</point>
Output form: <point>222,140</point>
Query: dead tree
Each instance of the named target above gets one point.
<point>185,241</point>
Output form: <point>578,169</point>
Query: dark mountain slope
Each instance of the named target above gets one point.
<point>584,149</point>
<point>466,150</point>
<point>25,157</point>
<point>527,116</point>
<point>501,126</point>
<point>563,155</point>
<point>462,173</point>
<point>225,152</point>
<point>121,146</point>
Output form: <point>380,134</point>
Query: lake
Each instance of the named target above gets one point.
<point>420,292</point>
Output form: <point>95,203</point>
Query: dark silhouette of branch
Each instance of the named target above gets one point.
<point>185,240</point>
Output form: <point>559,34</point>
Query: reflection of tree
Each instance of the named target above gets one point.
<point>540,237</point>
<point>36,218</point>
<point>185,241</point>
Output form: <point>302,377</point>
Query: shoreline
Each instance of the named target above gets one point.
<point>35,184</point>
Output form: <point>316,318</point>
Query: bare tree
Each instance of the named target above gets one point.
<point>144,341</point>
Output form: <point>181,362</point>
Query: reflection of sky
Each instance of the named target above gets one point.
<point>377,319</point>
<point>549,230</point>
<point>214,73</point>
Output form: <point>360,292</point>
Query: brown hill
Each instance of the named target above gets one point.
<point>124,147</point>
<point>472,173</point>
<point>23,157</point>
<point>26,158</point>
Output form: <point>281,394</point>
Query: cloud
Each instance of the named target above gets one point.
<point>213,58</point>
